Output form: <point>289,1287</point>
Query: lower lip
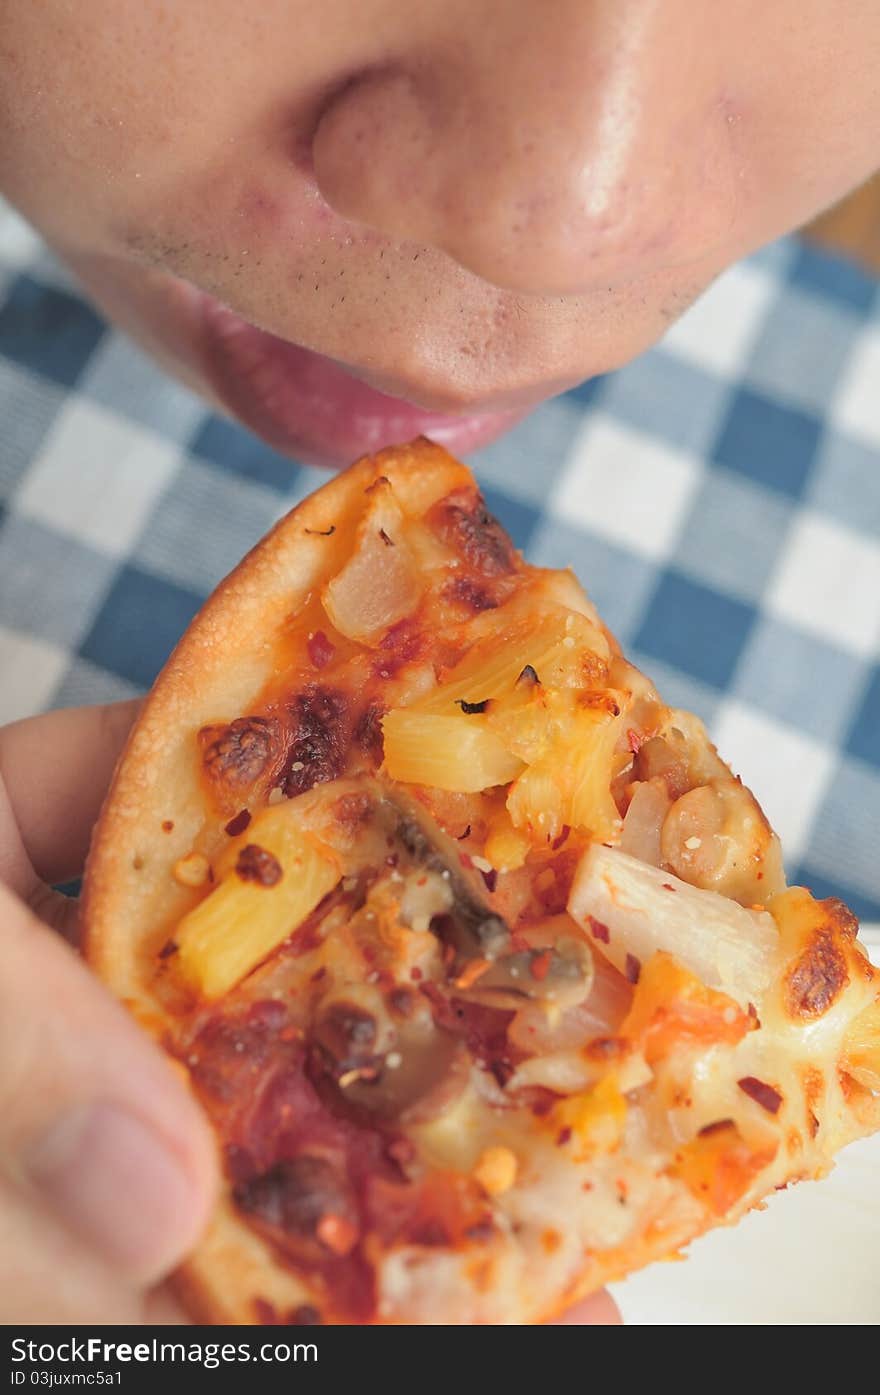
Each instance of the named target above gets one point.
<point>308,406</point>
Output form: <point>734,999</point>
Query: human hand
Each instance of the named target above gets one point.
<point>108,1169</point>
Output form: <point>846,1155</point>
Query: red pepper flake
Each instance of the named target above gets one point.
<point>239,823</point>
<point>490,878</point>
<point>483,1229</point>
<point>385,538</point>
<point>563,1136</point>
<point>319,974</point>
<point>401,1150</point>
<point>753,1016</point>
<point>465,860</point>
<point>542,1106</point>
<point>560,838</point>
<point>321,650</point>
<point>170,947</point>
<point>305,1315</point>
<point>267,1313</point>
<point>718,1126</point>
<point>466,834</point>
<point>539,968</point>
<point>762,1093</point>
<point>421,881</point>
<point>599,930</point>
<point>633,968</point>
<point>415,973</point>
<point>502,1070</point>
<point>167,825</point>
<point>255,864</point>
<point>667,886</point>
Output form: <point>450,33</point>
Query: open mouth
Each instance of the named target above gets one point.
<point>311,407</point>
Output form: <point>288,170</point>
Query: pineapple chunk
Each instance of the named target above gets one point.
<point>564,648</point>
<point>242,922</point>
<point>449,753</point>
<point>571,783</point>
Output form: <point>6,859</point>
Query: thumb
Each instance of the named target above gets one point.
<point>96,1129</point>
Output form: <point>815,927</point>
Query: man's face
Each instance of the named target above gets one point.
<point>314,210</point>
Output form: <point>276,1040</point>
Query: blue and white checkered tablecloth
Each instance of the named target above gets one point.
<point>720,498</point>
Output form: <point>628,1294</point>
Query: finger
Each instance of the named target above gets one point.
<point>599,1310</point>
<point>56,769</point>
<point>96,1128</point>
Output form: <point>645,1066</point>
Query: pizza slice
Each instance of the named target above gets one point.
<point>478,957</point>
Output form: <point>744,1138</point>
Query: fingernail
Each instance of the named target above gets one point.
<point>119,1185</point>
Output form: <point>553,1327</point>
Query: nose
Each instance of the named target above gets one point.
<point>547,152</point>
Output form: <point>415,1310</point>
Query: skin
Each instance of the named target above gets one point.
<point>466,208</point>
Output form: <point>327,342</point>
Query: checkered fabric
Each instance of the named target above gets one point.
<point>720,498</point>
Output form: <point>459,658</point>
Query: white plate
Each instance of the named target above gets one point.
<point>812,1257</point>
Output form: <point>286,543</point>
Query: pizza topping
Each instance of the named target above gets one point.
<point>817,978</point>
<point>320,730</point>
<point>245,918</point>
<point>496,1170</point>
<point>379,584</point>
<point>255,864</point>
<point>716,837</point>
<point>463,523</point>
<point>236,757</point>
<point>724,945</point>
<point>763,1094</point>
<point>671,1008</point>
<point>321,650</point>
<point>192,870</point>
<point>238,824</point>
<point>718,1166</point>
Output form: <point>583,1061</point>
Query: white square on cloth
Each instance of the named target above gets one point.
<point>625,486</point>
<point>97,477</point>
<point>856,405</point>
<point>827,581</point>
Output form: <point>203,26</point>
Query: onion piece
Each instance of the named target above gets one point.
<point>644,819</point>
<point>379,583</point>
<point>632,910</point>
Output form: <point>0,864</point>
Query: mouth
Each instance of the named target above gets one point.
<point>313,408</point>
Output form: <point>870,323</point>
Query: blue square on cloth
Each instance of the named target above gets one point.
<point>138,625</point>
<point>699,631</point>
<point>864,735</point>
<point>47,330</point>
<point>768,441</point>
<point>809,684</point>
<point>832,277</point>
<point>233,448</point>
<point>733,534</point>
